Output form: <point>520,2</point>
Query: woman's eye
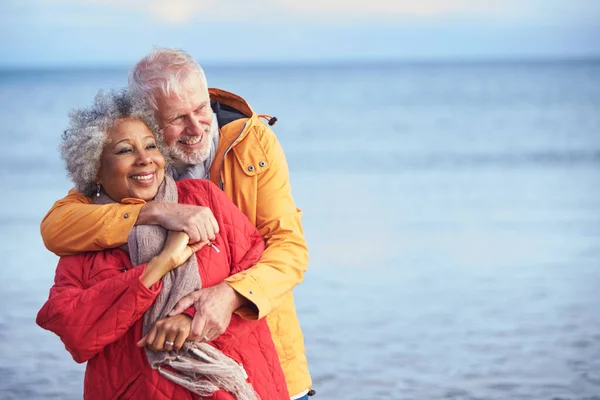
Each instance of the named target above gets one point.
<point>151,146</point>
<point>123,151</point>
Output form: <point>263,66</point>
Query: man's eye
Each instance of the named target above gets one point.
<point>176,121</point>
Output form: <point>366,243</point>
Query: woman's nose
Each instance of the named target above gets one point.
<point>144,158</point>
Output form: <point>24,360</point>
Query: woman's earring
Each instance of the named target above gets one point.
<point>98,191</point>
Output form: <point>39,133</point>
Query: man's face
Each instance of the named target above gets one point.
<point>186,123</point>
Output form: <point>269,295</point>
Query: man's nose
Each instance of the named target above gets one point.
<point>195,126</point>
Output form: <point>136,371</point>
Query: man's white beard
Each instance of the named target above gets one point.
<point>181,157</point>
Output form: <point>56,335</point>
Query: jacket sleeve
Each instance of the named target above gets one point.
<point>88,319</point>
<point>285,258</point>
<point>74,225</point>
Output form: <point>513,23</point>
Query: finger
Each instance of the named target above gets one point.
<point>171,337</point>
<point>150,336</point>
<point>193,233</point>
<point>209,331</point>
<point>198,325</point>
<point>203,234</point>
<point>180,339</point>
<point>214,224</point>
<point>212,333</point>
<point>158,343</point>
<point>142,341</point>
<point>183,304</point>
<point>197,246</point>
<point>210,230</point>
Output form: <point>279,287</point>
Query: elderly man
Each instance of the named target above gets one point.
<point>209,134</point>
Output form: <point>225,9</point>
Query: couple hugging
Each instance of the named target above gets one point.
<point>180,244</point>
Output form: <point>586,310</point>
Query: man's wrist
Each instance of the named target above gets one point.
<point>149,214</point>
<point>237,300</point>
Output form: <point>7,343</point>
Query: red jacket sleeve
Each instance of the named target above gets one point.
<point>89,317</point>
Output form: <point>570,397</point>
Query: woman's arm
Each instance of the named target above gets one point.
<point>89,318</point>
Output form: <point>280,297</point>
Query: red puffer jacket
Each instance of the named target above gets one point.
<point>98,300</point>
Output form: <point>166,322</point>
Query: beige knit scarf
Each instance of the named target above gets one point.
<point>198,367</point>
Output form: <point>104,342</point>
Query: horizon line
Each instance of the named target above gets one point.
<point>331,63</point>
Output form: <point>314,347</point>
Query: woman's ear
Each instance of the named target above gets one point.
<point>98,180</point>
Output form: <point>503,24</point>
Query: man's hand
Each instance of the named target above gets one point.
<point>197,221</point>
<point>167,334</point>
<point>214,306</point>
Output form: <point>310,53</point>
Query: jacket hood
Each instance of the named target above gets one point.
<point>234,113</point>
<point>229,107</point>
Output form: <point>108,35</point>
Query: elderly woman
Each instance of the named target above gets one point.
<point>111,308</point>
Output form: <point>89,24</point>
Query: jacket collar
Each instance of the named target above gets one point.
<point>233,113</point>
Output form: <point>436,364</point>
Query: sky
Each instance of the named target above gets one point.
<point>58,33</point>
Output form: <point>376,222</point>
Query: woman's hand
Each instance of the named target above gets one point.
<point>166,331</point>
<point>177,249</point>
<point>176,252</point>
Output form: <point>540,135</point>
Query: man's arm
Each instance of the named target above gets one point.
<point>285,258</point>
<point>75,225</point>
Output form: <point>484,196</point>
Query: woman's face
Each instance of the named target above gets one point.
<point>131,165</point>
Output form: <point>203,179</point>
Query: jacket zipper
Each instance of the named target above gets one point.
<point>225,154</point>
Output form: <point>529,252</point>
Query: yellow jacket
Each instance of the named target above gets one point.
<point>251,168</point>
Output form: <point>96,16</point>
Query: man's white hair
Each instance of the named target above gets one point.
<point>164,72</point>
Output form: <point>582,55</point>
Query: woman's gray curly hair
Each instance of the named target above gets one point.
<point>84,139</point>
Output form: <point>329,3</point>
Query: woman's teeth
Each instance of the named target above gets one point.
<point>143,177</point>
<point>190,140</point>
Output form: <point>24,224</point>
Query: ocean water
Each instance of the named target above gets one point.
<point>452,213</point>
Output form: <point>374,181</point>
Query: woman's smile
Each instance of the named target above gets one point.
<point>144,178</point>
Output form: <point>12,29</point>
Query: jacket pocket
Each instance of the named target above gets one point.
<point>128,389</point>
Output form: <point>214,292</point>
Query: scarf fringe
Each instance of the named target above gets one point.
<point>203,370</point>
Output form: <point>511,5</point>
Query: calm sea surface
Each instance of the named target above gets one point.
<point>452,214</point>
